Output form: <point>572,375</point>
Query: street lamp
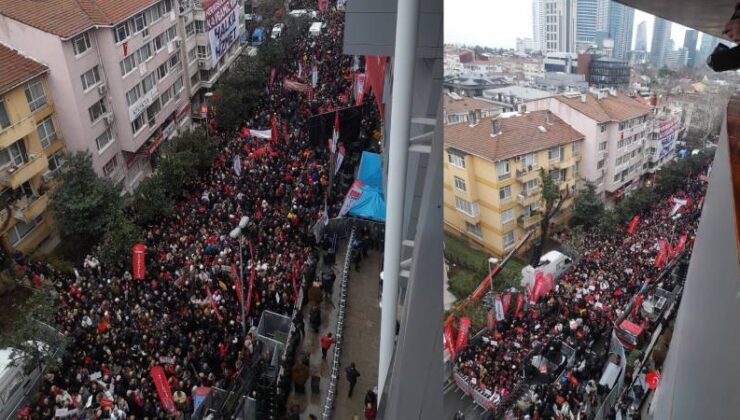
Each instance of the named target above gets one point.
<point>491,261</point>
<point>204,110</point>
<point>234,234</point>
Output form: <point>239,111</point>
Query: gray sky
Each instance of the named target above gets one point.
<point>498,23</point>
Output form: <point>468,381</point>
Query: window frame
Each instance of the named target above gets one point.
<point>48,137</point>
<point>28,88</point>
<point>91,111</point>
<point>454,158</point>
<point>460,181</point>
<point>4,113</point>
<point>510,212</point>
<point>96,76</point>
<point>113,164</point>
<point>137,90</point>
<point>504,239</point>
<point>116,32</point>
<point>107,133</point>
<point>86,43</point>
<point>504,193</point>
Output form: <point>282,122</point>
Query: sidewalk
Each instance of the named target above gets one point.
<point>361,341</point>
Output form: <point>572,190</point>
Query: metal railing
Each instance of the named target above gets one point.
<point>332,390</point>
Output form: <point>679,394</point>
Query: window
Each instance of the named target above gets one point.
<point>602,146</point>
<point>148,83</point>
<point>508,239</point>
<point>154,13</point>
<point>529,160</point>
<point>174,60</point>
<point>56,161</point>
<point>576,169</point>
<point>531,185</point>
<point>81,43</point>
<point>139,22</point>
<point>104,140</point>
<point>46,131</point>
<point>144,53</point>
<point>162,71</point>
<point>96,111</point>
<point>35,94</point>
<point>133,95</point>
<point>122,32</point>
<point>137,124</point>
<point>456,160</point>
<point>194,79</point>
<point>20,230</point>
<point>177,86</point>
<point>167,4</point>
<point>620,144</point>
<point>128,64</point>
<point>152,112</point>
<point>4,120</point>
<point>158,42</point>
<point>202,51</point>
<point>576,149</point>
<point>190,29</point>
<point>600,165</point>
<point>555,175</point>
<point>192,55</point>
<point>166,96</point>
<point>90,78</point>
<point>602,127</point>
<point>504,193</point>
<point>555,153</point>
<point>110,167</point>
<point>475,229</point>
<point>199,26</point>
<point>622,125</point>
<point>13,154</point>
<point>465,206</point>
<point>205,75</point>
<point>460,184</point>
<point>171,33</point>
<point>502,169</point>
<point>507,216</point>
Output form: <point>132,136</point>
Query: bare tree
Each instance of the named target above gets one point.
<point>553,200</point>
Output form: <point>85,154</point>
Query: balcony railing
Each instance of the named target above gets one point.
<point>525,174</point>
<point>31,207</point>
<point>525,222</point>
<point>14,177</point>
<point>13,133</point>
<point>528,197</point>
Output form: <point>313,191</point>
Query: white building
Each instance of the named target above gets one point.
<point>555,25</point>
<point>615,126</point>
<point>663,132</point>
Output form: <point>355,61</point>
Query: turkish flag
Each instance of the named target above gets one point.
<point>163,389</point>
<point>462,334</point>
<point>138,261</point>
<point>652,378</point>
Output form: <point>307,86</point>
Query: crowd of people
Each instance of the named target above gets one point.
<point>579,312</point>
<point>185,316</point>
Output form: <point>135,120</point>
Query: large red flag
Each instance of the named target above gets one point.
<point>491,324</point>
<point>549,283</point>
<point>449,341</point>
<point>237,284</point>
<point>462,334</point>
<point>274,132</point>
<point>375,71</point>
<point>652,378</point>
<point>139,261</point>
<point>163,389</point>
<point>506,302</point>
<point>633,225</point>
<point>539,287</point>
<point>681,243</point>
<point>519,305</point>
<point>213,304</point>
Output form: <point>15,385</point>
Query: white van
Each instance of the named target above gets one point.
<point>553,262</point>
<point>315,29</point>
<point>15,384</point>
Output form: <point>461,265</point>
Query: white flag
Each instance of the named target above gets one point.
<point>354,194</point>
<point>340,158</point>
<point>499,308</point>
<point>314,77</point>
<point>238,165</point>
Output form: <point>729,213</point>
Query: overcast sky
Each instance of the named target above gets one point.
<point>498,23</point>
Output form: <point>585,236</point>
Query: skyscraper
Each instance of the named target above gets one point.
<point>586,11</point>
<point>621,20</point>
<point>641,41</point>
<point>661,37</point>
<point>689,42</point>
<point>538,27</point>
<point>556,25</point>
<point>708,43</point>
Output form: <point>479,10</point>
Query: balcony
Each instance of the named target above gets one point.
<point>528,174</point>
<point>525,198</point>
<point>15,176</point>
<point>20,129</point>
<point>29,208</point>
<point>526,222</point>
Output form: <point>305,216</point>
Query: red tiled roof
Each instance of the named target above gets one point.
<point>67,18</point>
<point>465,104</point>
<point>519,135</point>
<point>610,108</point>
<point>16,68</point>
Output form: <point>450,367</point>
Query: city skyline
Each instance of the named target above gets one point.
<point>515,20</point>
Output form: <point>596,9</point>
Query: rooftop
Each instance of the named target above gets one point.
<point>522,92</point>
<point>475,81</point>
<point>519,134</point>
<point>610,108</point>
<point>455,104</point>
<point>67,18</point>
<point>16,68</point>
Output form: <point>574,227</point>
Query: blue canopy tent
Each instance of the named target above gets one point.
<point>371,203</point>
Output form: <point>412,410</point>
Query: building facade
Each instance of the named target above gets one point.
<point>604,72</point>
<point>457,109</point>
<point>557,25</point>
<point>586,16</point>
<point>615,127</point>
<point>561,62</point>
<point>664,130</point>
<point>660,44</point>
<point>512,98</point>
<point>121,73</point>
<point>31,147</point>
<point>641,37</point>
<point>621,20</point>
<point>689,42</point>
<point>492,179</point>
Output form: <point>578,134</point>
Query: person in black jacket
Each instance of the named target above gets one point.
<point>352,375</point>
<point>327,283</point>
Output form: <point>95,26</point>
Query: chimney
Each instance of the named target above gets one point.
<point>583,98</point>
<point>471,118</point>
<point>478,114</point>
<point>548,117</point>
<point>495,127</point>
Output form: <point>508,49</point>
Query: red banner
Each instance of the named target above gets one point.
<point>491,320</point>
<point>681,243</point>
<point>462,334</point>
<point>549,283</point>
<point>375,71</point>
<point>519,305</point>
<point>237,284</point>
<point>539,287</point>
<point>507,302</point>
<point>163,389</point>
<point>660,260</point>
<point>653,379</point>
<point>359,87</point>
<point>633,225</point>
<point>139,261</point>
<point>449,342</point>
<point>274,124</point>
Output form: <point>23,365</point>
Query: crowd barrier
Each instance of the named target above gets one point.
<point>341,309</point>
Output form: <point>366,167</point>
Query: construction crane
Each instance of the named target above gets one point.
<point>486,283</point>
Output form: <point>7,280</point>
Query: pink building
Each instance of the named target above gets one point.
<point>116,71</point>
<point>615,126</point>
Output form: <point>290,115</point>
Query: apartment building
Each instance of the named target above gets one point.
<point>615,127</point>
<point>116,71</point>
<point>457,109</point>
<point>492,181</point>
<point>511,98</point>
<point>663,132</point>
<point>31,147</point>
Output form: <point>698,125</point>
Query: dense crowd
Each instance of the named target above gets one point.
<point>579,312</point>
<point>185,316</point>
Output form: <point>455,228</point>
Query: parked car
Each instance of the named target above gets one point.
<point>303,13</point>
<point>277,30</point>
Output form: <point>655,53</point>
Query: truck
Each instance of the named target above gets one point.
<point>553,262</point>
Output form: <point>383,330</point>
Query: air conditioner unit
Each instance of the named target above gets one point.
<point>108,118</point>
<point>102,88</point>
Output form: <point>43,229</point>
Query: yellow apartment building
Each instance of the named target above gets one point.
<point>492,181</point>
<point>30,151</point>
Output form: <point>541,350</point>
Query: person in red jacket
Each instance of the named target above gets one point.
<point>370,412</point>
<point>326,342</point>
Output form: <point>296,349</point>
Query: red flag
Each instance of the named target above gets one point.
<point>549,283</point>
<point>462,333</point>
<point>125,49</point>
<point>491,320</point>
<point>652,378</point>
<point>213,304</point>
<point>359,88</point>
<point>286,133</point>
<point>309,92</point>
<point>539,285</point>
<point>449,342</point>
<point>163,389</point>
<point>139,261</point>
<point>633,225</point>
<point>375,71</point>
<point>519,305</point>
<point>506,302</point>
<point>681,243</point>
<point>237,284</point>
<point>274,124</point>
<point>528,291</point>
<point>638,301</point>
<point>252,277</point>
